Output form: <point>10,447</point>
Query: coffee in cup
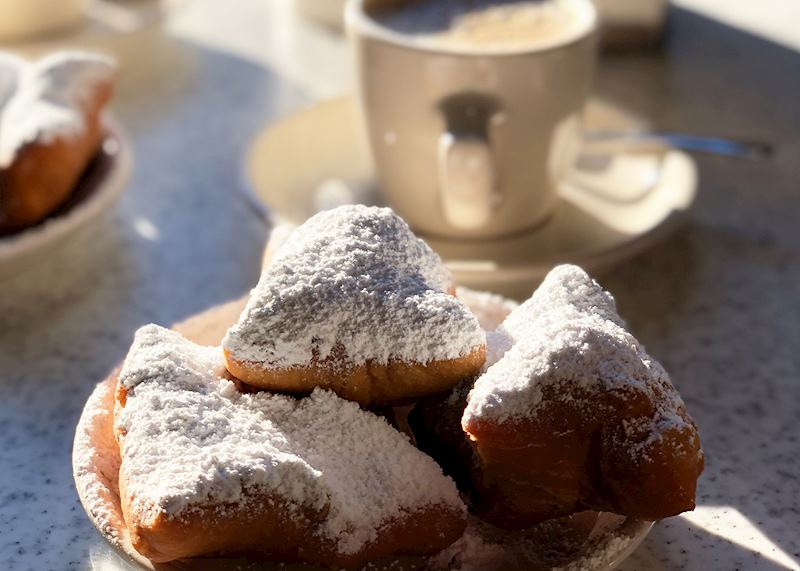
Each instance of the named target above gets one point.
<point>485,24</point>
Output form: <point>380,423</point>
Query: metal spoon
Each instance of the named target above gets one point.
<point>754,150</point>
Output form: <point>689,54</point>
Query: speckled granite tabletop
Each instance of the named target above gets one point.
<point>718,303</point>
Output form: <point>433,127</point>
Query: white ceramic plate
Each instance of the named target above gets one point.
<point>96,191</point>
<point>615,207</point>
<point>588,541</point>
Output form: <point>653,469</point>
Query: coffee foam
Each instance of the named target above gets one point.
<point>484,24</point>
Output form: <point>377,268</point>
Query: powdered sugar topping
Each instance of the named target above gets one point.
<point>356,277</point>
<point>45,99</point>
<point>581,542</point>
<point>94,466</point>
<point>491,310</point>
<point>191,438</point>
<point>567,292</point>
<point>568,335</point>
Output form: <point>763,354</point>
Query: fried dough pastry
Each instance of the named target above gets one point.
<point>206,468</point>
<point>355,303</point>
<point>50,129</point>
<point>573,415</point>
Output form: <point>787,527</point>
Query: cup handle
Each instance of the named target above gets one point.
<point>467,180</point>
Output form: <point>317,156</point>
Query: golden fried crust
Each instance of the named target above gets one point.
<point>271,529</point>
<point>369,384</point>
<point>43,174</point>
<point>666,479</point>
<point>613,459</point>
<point>213,529</point>
<point>565,460</point>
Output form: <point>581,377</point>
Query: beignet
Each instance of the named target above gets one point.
<point>355,303</point>
<point>206,468</point>
<point>573,415</point>
<point>50,129</point>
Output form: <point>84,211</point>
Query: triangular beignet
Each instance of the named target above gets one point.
<point>354,302</point>
<point>206,468</point>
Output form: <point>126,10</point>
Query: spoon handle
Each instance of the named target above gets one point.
<point>712,145</point>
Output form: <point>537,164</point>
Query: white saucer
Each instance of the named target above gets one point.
<point>96,191</point>
<point>318,158</point>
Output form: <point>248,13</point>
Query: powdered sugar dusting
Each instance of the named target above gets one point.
<point>567,334</point>
<point>603,553</point>
<point>191,438</point>
<point>472,552</point>
<point>44,100</point>
<point>491,310</point>
<point>357,277</point>
<point>567,292</point>
<point>583,541</point>
<point>94,468</point>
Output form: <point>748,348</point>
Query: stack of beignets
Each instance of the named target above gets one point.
<point>353,309</point>
<point>50,129</point>
<point>353,302</point>
<point>573,415</point>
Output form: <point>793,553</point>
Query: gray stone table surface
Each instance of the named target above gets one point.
<point>718,303</point>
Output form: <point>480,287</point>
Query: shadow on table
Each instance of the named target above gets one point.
<point>691,308</point>
<point>708,78</point>
<point>666,549</point>
<point>715,301</point>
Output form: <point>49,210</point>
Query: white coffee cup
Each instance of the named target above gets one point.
<point>470,140</point>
